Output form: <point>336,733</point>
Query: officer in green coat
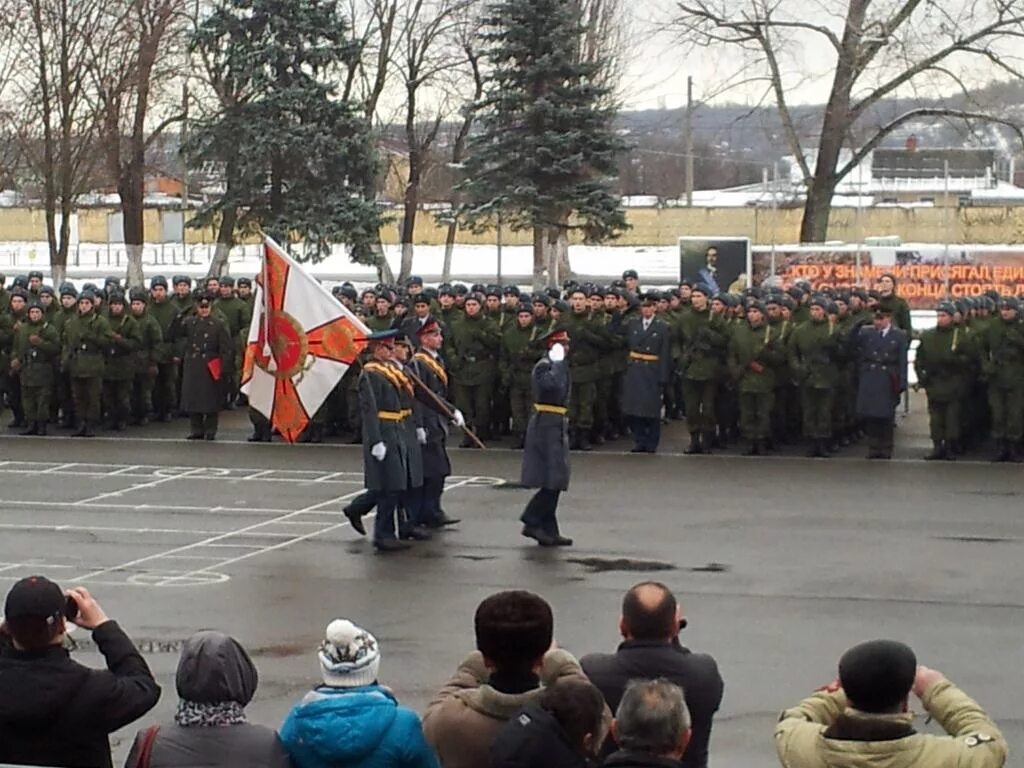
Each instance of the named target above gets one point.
<point>813,347</point>
<point>705,339</point>
<point>520,351</point>
<point>36,348</point>
<point>755,351</point>
<point>475,345</point>
<point>147,356</point>
<point>85,338</point>
<point>941,362</point>
<point>119,370</point>
<point>1002,366</point>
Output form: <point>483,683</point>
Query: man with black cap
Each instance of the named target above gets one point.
<point>204,348</point>
<point>861,719</point>
<point>546,453</point>
<point>881,353</point>
<point>649,364</point>
<point>632,280</point>
<point>55,711</point>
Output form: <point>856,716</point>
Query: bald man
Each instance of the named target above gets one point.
<point>650,623</point>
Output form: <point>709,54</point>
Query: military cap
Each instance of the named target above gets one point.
<point>820,300</point>
<point>723,297</point>
<point>421,298</point>
<point>993,294</point>
<point>964,305</point>
<point>115,297</point>
<point>773,299</point>
<point>873,295</point>
<point>243,281</point>
<point>474,296</point>
<point>860,293</point>
<point>478,288</point>
<point>68,289</point>
<point>595,290</point>
<point>1009,302</point>
<point>702,289</point>
<point>111,280</point>
<point>541,298</point>
<point>158,280</point>
<point>788,303</point>
<point>349,292</point>
<point>204,300</point>
<point>35,273</point>
<point>796,292</point>
<point>429,326</point>
<point>613,291</point>
<point>87,294</point>
<point>338,290</point>
<point>877,675</point>
<point>403,302</point>
<point>651,297</point>
<point>493,290</point>
<point>48,289</point>
<point>386,295</point>
<point>621,284</point>
<point>34,304</point>
<point>570,284</point>
<point>553,293</point>
<point>557,335</point>
<point>461,289</point>
<point>386,337</point>
<point>561,305</point>
<point>630,274</point>
<point>524,308</point>
<point>881,311</point>
<point>446,290</point>
<point>756,305</point>
<point>414,280</point>
<point>90,287</point>
<point>510,290</point>
<point>227,280</point>
<point>687,283</point>
<point>179,279</point>
<point>430,293</point>
<point>138,294</point>
<point>20,281</point>
<point>19,292</point>
<point>947,307</point>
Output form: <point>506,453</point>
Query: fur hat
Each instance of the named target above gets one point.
<point>349,656</point>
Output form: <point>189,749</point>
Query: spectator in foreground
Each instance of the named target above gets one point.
<point>55,711</point>
<point>651,726</point>
<point>216,680</point>
<point>861,719</point>
<point>515,657</point>
<point>650,624</point>
<point>563,730</point>
<point>352,721</point>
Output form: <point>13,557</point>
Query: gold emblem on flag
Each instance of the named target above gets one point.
<point>289,346</point>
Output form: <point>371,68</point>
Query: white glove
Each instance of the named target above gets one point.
<point>458,419</point>
<point>379,451</point>
<point>421,435</point>
<point>556,353</point>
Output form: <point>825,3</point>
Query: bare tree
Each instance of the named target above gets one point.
<point>51,92</point>
<point>429,32</point>
<point>871,50</point>
<point>128,74</point>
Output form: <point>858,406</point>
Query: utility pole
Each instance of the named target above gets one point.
<point>688,128</point>
<point>184,173</point>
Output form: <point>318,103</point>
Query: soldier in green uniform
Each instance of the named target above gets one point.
<point>942,357</point>
<point>755,352</point>
<point>520,351</point>
<point>475,343</point>
<point>590,340</point>
<point>812,349</point>
<point>165,310</point>
<point>617,360</point>
<point>235,313</point>
<point>382,319</point>
<point>704,339</point>
<point>1002,365</point>
<point>48,301</point>
<point>18,304</point>
<point>120,363</point>
<point>85,337</point>
<point>542,318</point>
<point>36,348</point>
<point>182,300</point>
<point>63,403</point>
<point>147,356</point>
<point>896,306</point>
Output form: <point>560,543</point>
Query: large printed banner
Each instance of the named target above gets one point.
<point>920,270</point>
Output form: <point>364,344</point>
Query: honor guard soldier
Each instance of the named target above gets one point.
<point>649,365</point>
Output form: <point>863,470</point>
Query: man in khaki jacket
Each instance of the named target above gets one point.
<point>862,720</point>
<point>515,659</point>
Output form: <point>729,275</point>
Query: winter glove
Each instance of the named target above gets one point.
<point>458,419</point>
<point>379,451</point>
<point>557,353</point>
<point>421,435</point>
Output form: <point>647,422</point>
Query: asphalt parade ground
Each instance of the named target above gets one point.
<point>781,564</point>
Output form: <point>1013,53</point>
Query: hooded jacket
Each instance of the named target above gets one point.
<point>534,739</point>
<point>823,730</point>
<point>214,668</point>
<point>355,728</point>
<point>55,711</point>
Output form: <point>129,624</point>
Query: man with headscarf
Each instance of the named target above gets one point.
<point>216,679</point>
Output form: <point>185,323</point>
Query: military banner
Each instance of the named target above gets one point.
<point>923,273</point>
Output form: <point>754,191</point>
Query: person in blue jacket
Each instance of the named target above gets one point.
<point>351,721</point>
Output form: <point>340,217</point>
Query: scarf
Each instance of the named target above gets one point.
<point>203,715</point>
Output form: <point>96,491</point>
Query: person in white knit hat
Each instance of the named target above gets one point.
<point>351,721</point>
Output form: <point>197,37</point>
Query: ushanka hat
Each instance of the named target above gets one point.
<point>349,656</point>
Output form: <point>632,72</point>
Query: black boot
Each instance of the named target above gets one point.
<point>82,429</point>
<point>939,452</point>
<point>583,440</point>
<point>754,449</point>
<point>818,450</point>
<point>1002,450</point>
<point>707,442</point>
<point>694,447</point>
<point>518,441</point>
<point>32,429</point>
<point>41,428</point>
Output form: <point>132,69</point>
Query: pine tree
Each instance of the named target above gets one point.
<point>546,150</point>
<point>294,155</point>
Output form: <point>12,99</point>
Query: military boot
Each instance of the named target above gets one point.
<point>41,428</point>
<point>939,452</point>
<point>707,442</point>
<point>754,449</point>
<point>694,447</point>
<point>1002,450</point>
<point>31,429</point>
<point>583,440</point>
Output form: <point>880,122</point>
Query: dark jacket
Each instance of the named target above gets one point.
<point>546,452</point>
<point>882,371</point>
<point>625,759</point>
<point>534,739</point>
<point>649,367</point>
<point>696,673</point>
<point>55,711</point>
<point>379,402</point>
<point>214,668</point>
<point>203,340</point>
<point>432,373</point>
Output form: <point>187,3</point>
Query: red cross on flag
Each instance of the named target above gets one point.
<point>301,342</point>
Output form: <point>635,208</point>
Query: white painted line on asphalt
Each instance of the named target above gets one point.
<point>59,528</point>
<point>138,487</point>
<point>107,506</point>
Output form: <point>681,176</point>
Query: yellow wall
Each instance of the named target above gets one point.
<point>650,226</point>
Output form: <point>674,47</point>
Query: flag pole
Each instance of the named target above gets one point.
<point>268,352</point>
<point>442,406</point>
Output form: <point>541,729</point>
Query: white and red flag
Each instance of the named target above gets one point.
<point>301,342</point>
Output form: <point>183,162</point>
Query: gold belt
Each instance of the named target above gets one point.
<point>557,409</point>
<point>391,415</point>
<point>406,412</point>
<point>643,357</point>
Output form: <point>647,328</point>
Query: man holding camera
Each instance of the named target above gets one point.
<point>55,711</point>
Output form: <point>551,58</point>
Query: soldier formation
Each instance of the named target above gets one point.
<point>763,368</point>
